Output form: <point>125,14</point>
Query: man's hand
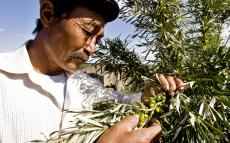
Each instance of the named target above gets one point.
<point>123,132</point>
<point>166,83</point>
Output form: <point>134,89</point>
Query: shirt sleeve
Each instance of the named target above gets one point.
<point>92,90</point>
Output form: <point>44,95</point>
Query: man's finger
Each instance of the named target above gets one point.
<point>128,123</point>
<point>180,85</point>
<point>147,135</point>
<point>163,81</point>
<point>153,122</point>
<point>172,85</point>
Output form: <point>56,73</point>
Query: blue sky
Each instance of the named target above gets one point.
<point>17,21</point>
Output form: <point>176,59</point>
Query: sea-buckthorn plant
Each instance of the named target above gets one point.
<point>90,124</point>
<point>183,38</point>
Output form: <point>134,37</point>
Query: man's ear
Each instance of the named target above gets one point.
<point>46,13</point>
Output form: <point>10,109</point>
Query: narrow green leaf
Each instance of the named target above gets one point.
<point>87,120</point>
<point>176,133</point>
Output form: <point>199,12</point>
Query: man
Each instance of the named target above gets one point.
<point>39,80</point>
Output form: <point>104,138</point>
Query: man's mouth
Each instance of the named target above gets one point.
<point>78,56</point>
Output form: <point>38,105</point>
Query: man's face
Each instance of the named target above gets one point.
<point>72,40</point>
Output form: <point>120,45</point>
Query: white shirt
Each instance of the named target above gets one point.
<point>53,84</point>
<point>30,103</point>
<point>30,109</point>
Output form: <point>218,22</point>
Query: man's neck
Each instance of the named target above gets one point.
<point>40,59</point>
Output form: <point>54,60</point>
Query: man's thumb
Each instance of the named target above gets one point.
<point>128,123</point>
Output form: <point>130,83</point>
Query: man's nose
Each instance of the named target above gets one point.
<point>91,46</point>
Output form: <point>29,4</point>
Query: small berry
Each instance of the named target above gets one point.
<point>151,105</point>
<point>158,109</point>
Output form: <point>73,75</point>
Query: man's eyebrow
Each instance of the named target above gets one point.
<point>92,22</point>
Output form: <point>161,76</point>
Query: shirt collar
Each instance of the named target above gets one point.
<point>16,61</point>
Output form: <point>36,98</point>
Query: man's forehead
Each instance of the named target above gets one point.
<point>91,22</point>
<point>86,16</point>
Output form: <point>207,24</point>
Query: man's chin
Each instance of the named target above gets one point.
<point>72,67</point>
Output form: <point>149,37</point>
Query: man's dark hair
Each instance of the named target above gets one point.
<point>109,12</point>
